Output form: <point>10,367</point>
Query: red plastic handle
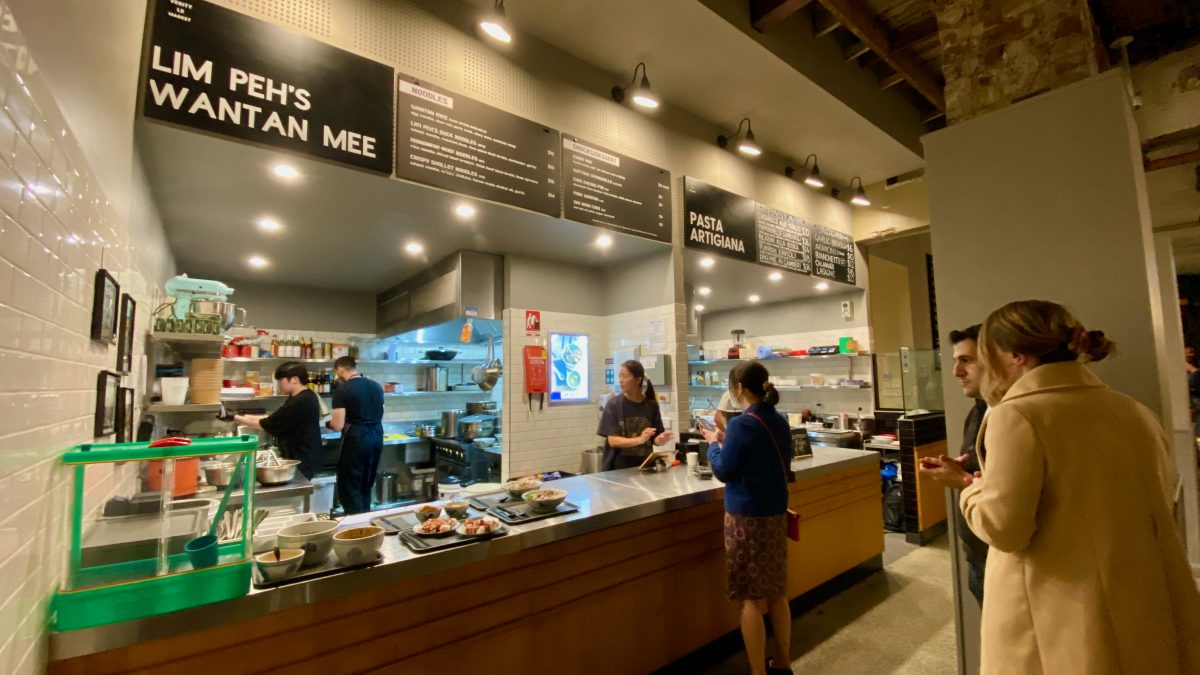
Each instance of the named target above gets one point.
<point>171,442</point>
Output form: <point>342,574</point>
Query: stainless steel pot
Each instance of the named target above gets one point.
<point>489,373</point>
<point>425,430</point>
<point>229,313</point>
<point>481,407</point>
<point>433,378</point>
<point>278,474</point>
<point>450,423</point>
<point>219,474</point>
<point>469,431</point>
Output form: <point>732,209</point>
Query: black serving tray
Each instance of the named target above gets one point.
<point>522,512</point>
<point>331,566</point>
<point>419,544</point>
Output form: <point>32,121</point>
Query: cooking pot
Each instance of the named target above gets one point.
<point>469,431</point>
<point>425,430</point>
<point>450,423</point>
<point>487,374</point>
<point>481,407</point>
<point>433,378</point>
<point>440,354</point>
<point>229,313</point>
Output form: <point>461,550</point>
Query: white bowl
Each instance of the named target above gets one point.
<point>358,544</point>
<point>290,560</point>
<point>315,539</point>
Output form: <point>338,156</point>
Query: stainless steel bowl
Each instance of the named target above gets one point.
<point>219,474</point>
<point>227,312</point>
<point>278,474</point>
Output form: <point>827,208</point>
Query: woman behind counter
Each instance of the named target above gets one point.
<point>631,421</point>
<point>1087,572</point>
<point>754,462</point>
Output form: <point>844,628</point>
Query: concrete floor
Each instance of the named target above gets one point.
<point>899,620</point>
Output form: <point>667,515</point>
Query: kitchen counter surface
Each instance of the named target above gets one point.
<point>604,499</point>
<point>298,486</point>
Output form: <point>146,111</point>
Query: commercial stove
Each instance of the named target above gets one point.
<point>462,460</point>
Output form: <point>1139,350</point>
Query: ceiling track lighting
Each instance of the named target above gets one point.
<point>812,173</point>
<point>495,23</point>
<point>859,198</point>
<point>746,143</point>
<point>637,91</point>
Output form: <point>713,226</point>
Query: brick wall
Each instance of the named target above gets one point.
<point>58,225</point>
<point>995,52</point>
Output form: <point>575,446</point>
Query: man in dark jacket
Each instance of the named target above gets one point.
<point>956,472</point>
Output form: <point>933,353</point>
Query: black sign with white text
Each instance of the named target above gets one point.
<point>215,69</point>
<point>457,143</point>
<point>616,192</point>
<point>719,221</point>
<point>833,255</point>
<point>784,240</point>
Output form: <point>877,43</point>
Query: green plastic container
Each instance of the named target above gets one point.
<point>143,586</point>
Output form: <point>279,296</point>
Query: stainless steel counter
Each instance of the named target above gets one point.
<point>299,486</point>
<point>604,499</point>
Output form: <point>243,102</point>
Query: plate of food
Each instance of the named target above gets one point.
<point>436,527</point>
<point>477,527</point>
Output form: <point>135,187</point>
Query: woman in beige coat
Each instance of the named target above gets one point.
<point>1087,572</point>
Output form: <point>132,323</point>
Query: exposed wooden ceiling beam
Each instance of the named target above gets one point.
<point>856,50</point>
<point>919,32</point>
<point>891,81</point>
<point>766,14</point>
<point>1174,160</point>
<point>824,23</point>
<point>854,16</point>
<point>1180,137</point>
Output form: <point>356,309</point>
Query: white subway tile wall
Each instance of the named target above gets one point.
<point>57,228</point>
<point>556,437</point>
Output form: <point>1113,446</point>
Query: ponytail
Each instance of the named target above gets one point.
<point>753,376</point>
<point>770,394</point>
<point>648,389</point>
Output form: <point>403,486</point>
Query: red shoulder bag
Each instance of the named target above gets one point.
<point>793,518</point>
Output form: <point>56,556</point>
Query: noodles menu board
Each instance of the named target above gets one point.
<point>833,255</point>
<point>456,143</point>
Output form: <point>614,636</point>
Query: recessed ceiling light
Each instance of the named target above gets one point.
<point>603,241</point>
<point>464,210</point>
<point>496,25</point>
<point>704,290</point>
<point>257,261</point>
<point>754,298</point>
<point>285,171</point>
<point>269,225</point>
<point>414,248</point>
<point>699,308</point>
<point>707,262</point>
<point>775,276</point>
<point>822,286</point>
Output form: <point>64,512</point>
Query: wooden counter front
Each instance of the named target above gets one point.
<point>626,599</point>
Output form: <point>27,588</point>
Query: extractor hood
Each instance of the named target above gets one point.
<point>466,284</point>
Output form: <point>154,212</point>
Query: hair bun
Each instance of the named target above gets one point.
<point>1095,346</point>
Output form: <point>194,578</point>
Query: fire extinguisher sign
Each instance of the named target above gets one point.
<point>533,323</point>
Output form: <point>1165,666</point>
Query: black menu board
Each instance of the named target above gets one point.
<point>453,142</point>
<point>215,69</point>
<point>833,255</point>
<point>784,240</point>
<point>611,190</point>
<point>719,221</point>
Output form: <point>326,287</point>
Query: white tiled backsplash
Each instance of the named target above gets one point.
<point>556,437</point>
<point>57,228</point>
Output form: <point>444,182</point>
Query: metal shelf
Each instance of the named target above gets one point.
<point>185,408</point>
<point>191,345</point>
<point>782,358</point>
<point>796,387</point>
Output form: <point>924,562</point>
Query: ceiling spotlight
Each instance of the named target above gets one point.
<point>269,225</point>
<point>414,248</point>
<point>285,171</point>
<point>707,262</point>
<point>257,261</point>
<point>639,92</point>
<point>704,290</point>
<point>495,23</point>
<point>603,241</point>
<point>812,176</point>
<point>698,308</point>
<point>746,144</point>
<point>464,210</point>
<point>775,276</point>
<point>822,286</point>
<point>754,298</point>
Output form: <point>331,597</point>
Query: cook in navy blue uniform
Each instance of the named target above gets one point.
<point>358,414</point>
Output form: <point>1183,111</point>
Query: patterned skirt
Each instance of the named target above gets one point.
<point>756,556</point>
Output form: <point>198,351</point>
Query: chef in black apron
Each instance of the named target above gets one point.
<point>358,414</point>
<point>631,422</point>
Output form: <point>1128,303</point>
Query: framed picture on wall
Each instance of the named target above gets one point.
<point>107,393</point>
<point>125,416</point>
<point>104,307</point>
<point>125,334</point>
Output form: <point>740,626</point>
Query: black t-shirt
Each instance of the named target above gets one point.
<point>627,419</point>
<point>363,400</point>
<point>976,549</point>
<point>297,428</point>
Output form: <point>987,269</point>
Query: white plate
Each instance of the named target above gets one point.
<point>483,488</point>
<point>419,533</point>
<point>497,527</point>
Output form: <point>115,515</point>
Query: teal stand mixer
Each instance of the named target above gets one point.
<point>197,306</point>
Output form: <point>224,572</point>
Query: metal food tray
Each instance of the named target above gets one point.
<point>399,522</point>
<point>516,514</point>
<point>331,566</point>
<point>419,544</point>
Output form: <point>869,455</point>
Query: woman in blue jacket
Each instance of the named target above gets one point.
<point>754,461</point>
